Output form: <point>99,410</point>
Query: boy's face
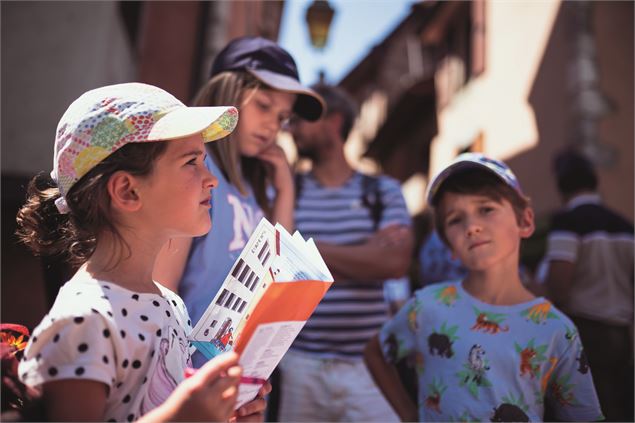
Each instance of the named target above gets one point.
<point>483,233</point>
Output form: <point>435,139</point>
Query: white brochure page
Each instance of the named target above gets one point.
<point>263,353</point>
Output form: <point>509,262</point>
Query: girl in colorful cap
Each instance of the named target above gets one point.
<point>261,79</point>
<point>128,174</point>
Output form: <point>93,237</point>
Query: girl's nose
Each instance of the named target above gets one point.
<point>272,123</point>
<point>272,126</point>
<point>210,180</point>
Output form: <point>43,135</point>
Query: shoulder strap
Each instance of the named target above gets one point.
<point>371,198</point>
<point>299,184</point>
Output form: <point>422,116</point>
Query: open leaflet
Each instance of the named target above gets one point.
<point>270,292</point>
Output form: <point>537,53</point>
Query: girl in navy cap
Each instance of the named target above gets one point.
<point>261,80</point>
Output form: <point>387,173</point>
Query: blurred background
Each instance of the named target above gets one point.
<point>516,80</point>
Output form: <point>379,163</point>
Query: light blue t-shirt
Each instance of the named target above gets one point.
<point>481,362</point>
<point>234,217</point>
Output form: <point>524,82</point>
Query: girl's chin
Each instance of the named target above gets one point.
<point>253,150</point>
<point>252,155</point>
<point>203,229</point>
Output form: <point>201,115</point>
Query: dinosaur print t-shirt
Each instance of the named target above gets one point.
<point>482,362</point>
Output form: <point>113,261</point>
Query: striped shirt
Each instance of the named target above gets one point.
<point>601,245</point>
<point>351,312</point>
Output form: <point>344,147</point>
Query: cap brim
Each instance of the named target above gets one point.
<point>309,104</point>
<point>213,123</point>
<point>464,163</point>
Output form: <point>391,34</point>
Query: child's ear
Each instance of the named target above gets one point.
<point>526,224</point>
<point>122,189</point>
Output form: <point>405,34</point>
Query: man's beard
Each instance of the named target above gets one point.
<point>307,153</point>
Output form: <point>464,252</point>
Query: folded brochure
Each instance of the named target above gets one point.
<point>270,292</point>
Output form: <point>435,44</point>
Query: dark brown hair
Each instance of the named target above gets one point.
<point>574,173</point>
<point>46,231</point>
<point>338,101</point>
<point>477,182</point>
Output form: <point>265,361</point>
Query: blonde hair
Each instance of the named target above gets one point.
<point>227,88</point>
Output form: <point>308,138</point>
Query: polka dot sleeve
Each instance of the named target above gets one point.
<point>73,347</point>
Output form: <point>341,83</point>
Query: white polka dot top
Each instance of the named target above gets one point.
<point>135,343</point>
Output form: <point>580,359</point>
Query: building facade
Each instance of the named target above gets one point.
<point>516,80</point>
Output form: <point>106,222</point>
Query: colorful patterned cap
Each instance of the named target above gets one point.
<point>473,161</point>
<point>105,119</point>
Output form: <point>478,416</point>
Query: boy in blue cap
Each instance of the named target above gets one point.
<point>484,347</point>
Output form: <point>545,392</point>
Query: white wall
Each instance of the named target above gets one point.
<point>51,53</point>
<point>495,103</point>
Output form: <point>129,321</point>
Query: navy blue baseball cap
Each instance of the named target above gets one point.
<point>273,66</point>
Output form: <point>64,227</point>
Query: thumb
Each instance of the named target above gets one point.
<point>215,367</point>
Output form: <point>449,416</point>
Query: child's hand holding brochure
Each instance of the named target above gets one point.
<point>271,291</point>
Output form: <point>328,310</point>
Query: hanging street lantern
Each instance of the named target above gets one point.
<point>318,17</point>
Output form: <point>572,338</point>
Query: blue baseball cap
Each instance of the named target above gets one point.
<point>273,66</point>
<point>473,161</point>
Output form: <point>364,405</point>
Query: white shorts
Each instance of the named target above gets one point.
<point>329,389</point>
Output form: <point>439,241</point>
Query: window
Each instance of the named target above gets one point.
<point>254,283</point>
<point>222,297</point>
<point>237,268</point>
<point>229,300</point>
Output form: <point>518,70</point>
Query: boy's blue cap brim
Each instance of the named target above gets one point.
<point>473,161</point>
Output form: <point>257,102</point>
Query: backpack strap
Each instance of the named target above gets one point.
<point>298,181</point>
<point>371,198</point>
